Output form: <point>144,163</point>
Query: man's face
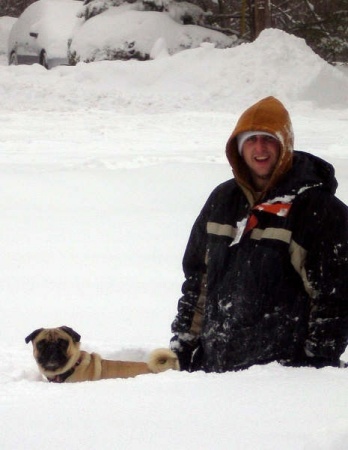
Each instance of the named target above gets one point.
<point>261,154</point>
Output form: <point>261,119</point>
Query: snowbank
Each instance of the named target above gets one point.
<point>276,64</point>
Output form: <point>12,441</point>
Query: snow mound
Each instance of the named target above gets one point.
<point>205,78</point>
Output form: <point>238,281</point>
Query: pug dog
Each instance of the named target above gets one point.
<point>59,358</point>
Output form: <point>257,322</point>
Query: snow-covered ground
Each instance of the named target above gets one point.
<point>104,168</point>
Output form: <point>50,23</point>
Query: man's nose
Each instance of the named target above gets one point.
<point>259,142</point>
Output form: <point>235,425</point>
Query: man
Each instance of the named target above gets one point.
<point>266,265</point>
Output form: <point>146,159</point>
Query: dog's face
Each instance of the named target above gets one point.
<point>55,349</point>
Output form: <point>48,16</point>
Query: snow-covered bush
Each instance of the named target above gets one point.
<point>182,12</point>
<point>94,7</point>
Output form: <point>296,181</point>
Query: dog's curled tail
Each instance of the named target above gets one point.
<point>163,359</point>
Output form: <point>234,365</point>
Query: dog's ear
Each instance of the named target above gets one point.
<point>33,335</point>
<point>72,333</point>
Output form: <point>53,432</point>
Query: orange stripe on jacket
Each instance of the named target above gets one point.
<point>279,209</point>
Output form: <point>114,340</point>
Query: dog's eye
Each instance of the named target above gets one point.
<point>63,343</point>
<point>40,345</point>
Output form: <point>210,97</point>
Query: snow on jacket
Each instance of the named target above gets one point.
<point>266,273</point>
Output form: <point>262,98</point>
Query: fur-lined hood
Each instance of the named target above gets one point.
<point>268,115</point>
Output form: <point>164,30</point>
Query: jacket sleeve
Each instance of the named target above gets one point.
<point>187,323</point>
<point>326,268</point>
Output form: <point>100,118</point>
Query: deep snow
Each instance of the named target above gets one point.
<point>104,167</point>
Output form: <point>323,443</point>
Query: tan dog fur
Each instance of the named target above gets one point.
<point>59,358</point>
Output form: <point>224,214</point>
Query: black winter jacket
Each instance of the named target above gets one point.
<point>268,282</point>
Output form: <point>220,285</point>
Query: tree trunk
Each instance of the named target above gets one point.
<point>262,16</point>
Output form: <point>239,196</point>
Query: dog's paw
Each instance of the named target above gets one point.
<point>163,359</point>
